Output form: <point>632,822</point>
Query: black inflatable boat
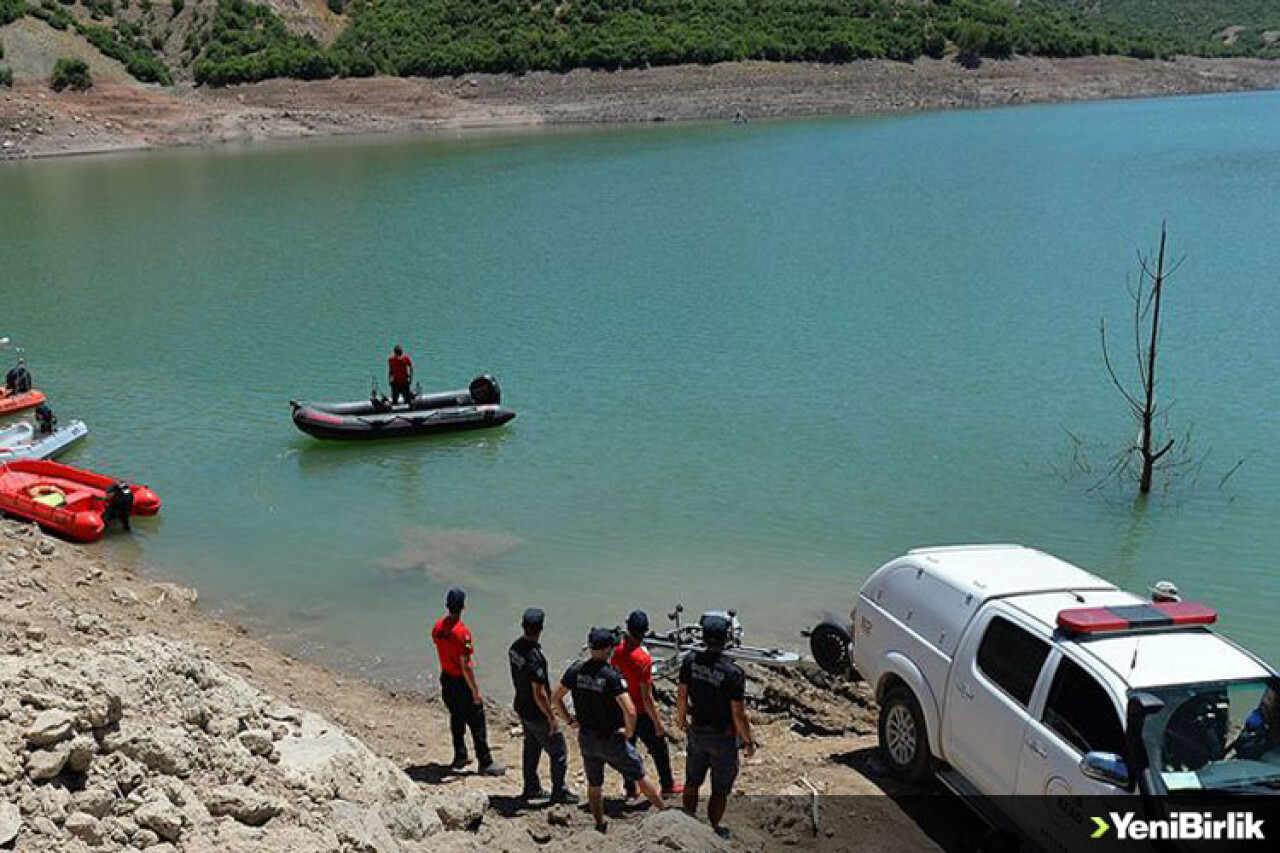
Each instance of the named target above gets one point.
<point>474,407</point>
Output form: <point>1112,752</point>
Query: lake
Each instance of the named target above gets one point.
<point>750,363</point>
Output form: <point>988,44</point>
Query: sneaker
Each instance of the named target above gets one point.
<point>673,789</point>
<point>602,828</point>
<point>459,762</point>
<point>532,794</point>
<point>565,798</point>
<point>722,831</point>
<point>631,794</point>
<point>493,768</point>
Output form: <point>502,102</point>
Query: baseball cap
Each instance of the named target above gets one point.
<point>715,629</point>
<point>455,599</point>
<point>600,638</point>
<point>533,618</point>
<point>638,623</point>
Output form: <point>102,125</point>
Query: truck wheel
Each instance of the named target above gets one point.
<point>903,736</point>
<point>829,645</point>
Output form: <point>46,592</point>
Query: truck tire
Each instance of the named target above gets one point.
<point>903,736</point>
<point>829,645</point>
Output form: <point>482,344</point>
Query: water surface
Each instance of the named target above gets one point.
<point>750,363</point>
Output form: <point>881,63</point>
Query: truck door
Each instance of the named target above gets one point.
<point>1077,716</point>
<point>986,710</point>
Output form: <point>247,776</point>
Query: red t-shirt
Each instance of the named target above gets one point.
<point>453,644</point>
<point>399,366</point>
<point>636,666</point>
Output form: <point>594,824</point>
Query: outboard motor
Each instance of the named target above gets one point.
<point>45,420</point>
<point>484,391</point>
<point>119,504</point>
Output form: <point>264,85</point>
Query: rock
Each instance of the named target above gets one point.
<point>243,804</point>
<point>361,829</point>
<point>673,830</point>
<point>410,821</point>
<point>10,765</point>
<point>160,817</point>
<point>558,817</point>
<point>81,753</point>
<point>10,823</point>
<point>45,764</point>
<point>45,546</point>
<point>540,835</point>
<point>257,741</point>
<point>144,839</point>
<point>85,827</point>
<point>462,811</point>
<point>93,801</point>
<point>162,750</point>
<point>50,727</point>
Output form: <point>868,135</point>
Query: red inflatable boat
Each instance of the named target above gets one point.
<point>10,403</point>
<point>73,503</point>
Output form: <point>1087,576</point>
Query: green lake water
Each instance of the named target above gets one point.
<point>750,363</point>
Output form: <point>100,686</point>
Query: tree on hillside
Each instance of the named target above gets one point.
<point>1150,449</point>
<point>71,74</point>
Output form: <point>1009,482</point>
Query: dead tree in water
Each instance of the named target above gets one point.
<point>1147,296</point>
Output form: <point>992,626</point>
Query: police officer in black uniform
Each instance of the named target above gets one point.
<point>533,706</point>
<point>606,721</point>
<point>712,692</point>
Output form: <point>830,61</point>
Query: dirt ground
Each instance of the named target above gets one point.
<point>118,114</point>
<point>814,730</point>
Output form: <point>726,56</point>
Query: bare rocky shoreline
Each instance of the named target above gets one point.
<point>119,115</point>
<point>131,719</point>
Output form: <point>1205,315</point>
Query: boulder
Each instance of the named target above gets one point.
<point>10,823</point>
<point>243,804</point>
<point>164,750</point>
<point>45,764</point>
<point>50,727</point>
<point>93,801</point>
<point>86,827</point>
<point>160,817</point>
<point>257,741</point>
<point>81,752</point>
<point>673,830</point>
<point>410,821</point>
<point>462,811</point>
<point>360,829</point>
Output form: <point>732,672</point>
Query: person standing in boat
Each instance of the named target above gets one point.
<point>18,379</point>
<point>459,688</point>
<point>400,375</point>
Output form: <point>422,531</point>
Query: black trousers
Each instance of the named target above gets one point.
<point>400,391</point>
<point>657,746</point>
<point>537,740</point>
<point>465,713</point>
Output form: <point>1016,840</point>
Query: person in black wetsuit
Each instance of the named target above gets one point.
<point>533,706</point>
<point>712,692</point>
<point>18,379</point>
<point>606,721</point>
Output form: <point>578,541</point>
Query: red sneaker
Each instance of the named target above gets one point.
<point>672,789</point>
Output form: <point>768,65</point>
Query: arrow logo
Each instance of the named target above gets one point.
<point>1103,828</point>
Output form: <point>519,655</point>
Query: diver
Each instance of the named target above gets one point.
<point>18,379</point>
<point>46,420</point>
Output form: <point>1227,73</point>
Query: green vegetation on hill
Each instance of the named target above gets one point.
<point>71,73</point>
<point>1192,26</point>
<point>242,41</point>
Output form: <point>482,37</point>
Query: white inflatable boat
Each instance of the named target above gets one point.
<point>24,441</point>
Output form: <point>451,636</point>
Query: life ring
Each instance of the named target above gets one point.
<point>47,494</point>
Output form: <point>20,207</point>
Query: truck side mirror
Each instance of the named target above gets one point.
<point>1105,767</point>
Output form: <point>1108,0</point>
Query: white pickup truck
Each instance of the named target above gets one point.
<point>1006,671</point>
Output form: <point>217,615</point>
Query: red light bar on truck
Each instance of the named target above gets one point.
<point>1135,617</point>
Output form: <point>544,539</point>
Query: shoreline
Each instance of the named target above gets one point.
<point>58,598</point>
<point>119,117</point>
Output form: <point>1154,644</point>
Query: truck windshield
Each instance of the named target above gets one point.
<point>1217,736</point>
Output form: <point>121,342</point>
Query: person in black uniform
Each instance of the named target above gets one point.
<point>606,722</point>
<point>712,691</point>
<point>533,706</point>
<point>18,379</point>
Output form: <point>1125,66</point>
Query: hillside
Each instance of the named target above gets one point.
<point>221,42</point>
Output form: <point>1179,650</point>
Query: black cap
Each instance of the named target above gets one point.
<point>533,618</point>
<point>600,638</point>
<point>715,629</point>
<point>638,624</point>
<point>455,599</point>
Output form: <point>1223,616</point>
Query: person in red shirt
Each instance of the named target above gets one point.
<point>459,688</point>
<point>635,663</point>
<point>400,375</point>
